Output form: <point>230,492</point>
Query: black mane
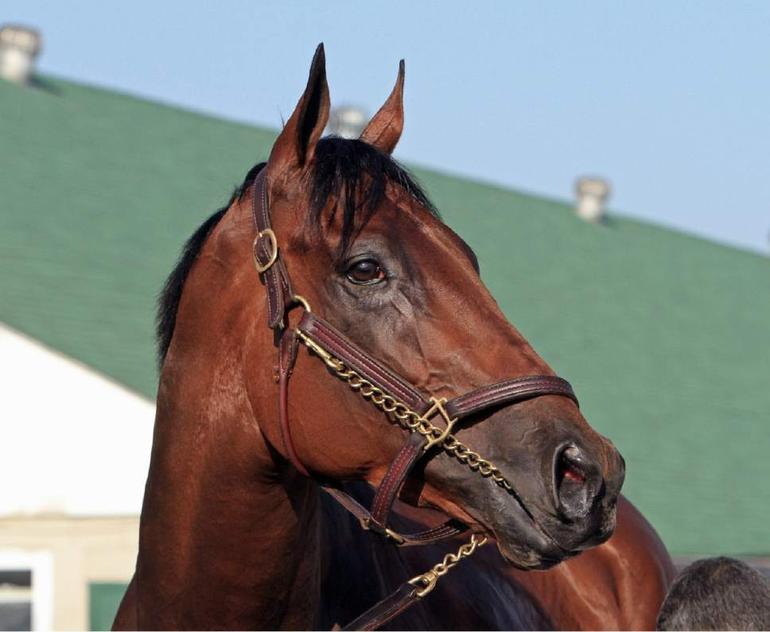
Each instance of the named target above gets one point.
<point>351,171</point>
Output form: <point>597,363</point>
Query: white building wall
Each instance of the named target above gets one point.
<point>74,454</point>
<point>73,442</point>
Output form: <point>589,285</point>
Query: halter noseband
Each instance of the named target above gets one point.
<point>401,401</point>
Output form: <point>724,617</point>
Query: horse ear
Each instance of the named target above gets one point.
<point>295,145</point>
<point>386,126</point>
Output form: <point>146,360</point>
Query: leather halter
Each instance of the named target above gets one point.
<point>394,395</point>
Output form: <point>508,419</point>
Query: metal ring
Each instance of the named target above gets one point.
<point>298,298</point>
<point>268,232</point>
<point>424,583</point>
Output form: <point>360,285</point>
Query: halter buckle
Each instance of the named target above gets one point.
<point>366,524</point>
<point>437,406</point>
<point>298,299</point>
<point>273,252</point>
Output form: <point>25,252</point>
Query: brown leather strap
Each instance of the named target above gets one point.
<point>388,491</point>
<point>276,277</point>
<point>350,504</point>
<point>394,478</point>
<point>443,531</point>
<point>385,610</point>
<point>508,391</point>
<point>287,354</point>
<point>356,358</point>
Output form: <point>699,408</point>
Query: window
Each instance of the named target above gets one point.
<point>26,590</point>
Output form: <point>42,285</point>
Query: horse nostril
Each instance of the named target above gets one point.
<point>576,481</point>
<point>569,467</point>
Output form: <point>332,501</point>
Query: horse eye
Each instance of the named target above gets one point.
<point>365,272</point>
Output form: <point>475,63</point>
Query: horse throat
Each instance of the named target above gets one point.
<point>229,537</point>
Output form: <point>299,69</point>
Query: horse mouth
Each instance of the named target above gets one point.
<point>518,529</point>
<point>524,543</point>
<point>528,540</point>
<point>541,558</point>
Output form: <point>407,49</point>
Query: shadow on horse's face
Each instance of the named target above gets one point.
<point>374,261</point>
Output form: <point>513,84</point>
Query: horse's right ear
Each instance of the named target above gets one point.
<point>295,145</point>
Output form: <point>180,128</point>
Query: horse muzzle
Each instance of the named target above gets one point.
<point>550,518</point>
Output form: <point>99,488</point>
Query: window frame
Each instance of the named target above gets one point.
<point>40,564</point>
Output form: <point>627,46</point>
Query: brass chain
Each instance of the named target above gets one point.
<point>405,416</point>
<point>427,581</point>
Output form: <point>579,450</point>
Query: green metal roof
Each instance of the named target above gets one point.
<point>665,337</point>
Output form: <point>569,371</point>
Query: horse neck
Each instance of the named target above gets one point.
<point>228,537</point>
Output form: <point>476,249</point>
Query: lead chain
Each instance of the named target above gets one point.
<point>405,416</point>
<point>427,581</point>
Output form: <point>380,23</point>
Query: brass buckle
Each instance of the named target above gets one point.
<point>268,232</point>
<point>298,299</point>
<point>438,407</point>
<point>389,533</point>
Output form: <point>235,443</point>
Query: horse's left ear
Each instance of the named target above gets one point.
<point>295,145</point>
<point>386,126</point>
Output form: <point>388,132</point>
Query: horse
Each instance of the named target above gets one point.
<point>385,364</point>
<point>717,593</point>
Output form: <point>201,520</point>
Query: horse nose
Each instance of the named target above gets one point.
<point>577,481</point>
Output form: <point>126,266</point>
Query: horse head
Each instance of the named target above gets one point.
<point>364,247</point>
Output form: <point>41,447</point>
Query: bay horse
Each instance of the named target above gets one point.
<point>380,323</point>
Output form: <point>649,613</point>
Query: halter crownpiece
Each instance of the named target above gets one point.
<point>395,396</point>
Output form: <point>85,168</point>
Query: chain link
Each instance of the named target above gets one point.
<point>427,581</point>
<point>405,416</point>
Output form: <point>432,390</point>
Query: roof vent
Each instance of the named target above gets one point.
<point>19,46</point>
<point>347,121</point>
<point>592,193</point>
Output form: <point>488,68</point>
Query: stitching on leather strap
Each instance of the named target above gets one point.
<point>262,222</point>
<point>286,355</point>
<point>348,351</point>
<point>370,368</point>
<point>440,532</point>
<point>379,614</point>
<point>509,391</point>
<point>276,277</point>
<point>394,478</point>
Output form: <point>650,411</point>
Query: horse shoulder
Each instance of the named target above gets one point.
<point>619,585</point>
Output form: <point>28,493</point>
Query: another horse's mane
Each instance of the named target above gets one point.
<point>352,171</point>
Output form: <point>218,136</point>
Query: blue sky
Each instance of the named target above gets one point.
<point>669,100</point>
